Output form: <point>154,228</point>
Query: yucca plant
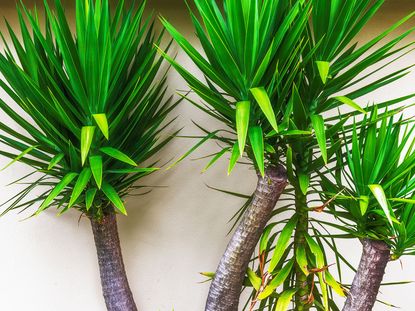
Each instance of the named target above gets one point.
<point>274,71</point>
<point>376,203</point>
<point>91,111</point>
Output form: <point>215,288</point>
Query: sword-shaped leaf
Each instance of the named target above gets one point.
<point>87,135</point>
<point>257,142</point>
<point>96,167</point>
<point>243,109</point>
<point>323,69</point>
<point>102,122</point>
<point>262,98</point>
<point>320,131</point>
<point>113,196</point>
<point>117,154</point>
<point>80,185</point>
<point>56,191</point>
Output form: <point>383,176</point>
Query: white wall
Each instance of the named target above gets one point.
<point>48,263</point>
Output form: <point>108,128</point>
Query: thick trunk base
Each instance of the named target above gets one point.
<point>368,278</point>
<point>115,288</point>
<point>227,284</point>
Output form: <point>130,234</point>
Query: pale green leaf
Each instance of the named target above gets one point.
<point>261,97</point>
<point>257,142</point>
<point>282,243</point>
<point>323,69</point>
<point>347,101</point>
<point>102,122</point>
<point>87,135</point>
<point>242,123</point>
<point>96,167</point>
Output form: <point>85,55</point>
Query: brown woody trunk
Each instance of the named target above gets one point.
<point>115,288</point>
<point>368,278</point>
<point>227,284</point>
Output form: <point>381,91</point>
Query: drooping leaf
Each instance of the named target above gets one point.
<point>334,284</point>
<point>282,243</point>
<point>254,279</point>
<point>277,280</point>
<point>284,300</point>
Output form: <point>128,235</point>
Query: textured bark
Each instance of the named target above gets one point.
<point>116,291</point>
<point>366,284</point>
<point>227,284</point>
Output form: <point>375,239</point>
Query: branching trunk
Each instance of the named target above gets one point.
<point>117,293</point>
<point>367,281</point>
<point>226,287</point>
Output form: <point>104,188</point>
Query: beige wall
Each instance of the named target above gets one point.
<point>48,263</point>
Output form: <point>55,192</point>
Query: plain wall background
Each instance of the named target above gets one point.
<point>48,263</point>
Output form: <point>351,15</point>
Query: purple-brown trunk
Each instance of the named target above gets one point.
<point>227,284</point>
<point>115,287</point>
<point>369,275</point>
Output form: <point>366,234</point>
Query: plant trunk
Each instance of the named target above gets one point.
<point>115,288</point>
<point>227,284</point>
<point>301,297</point>
<point>368,278</point>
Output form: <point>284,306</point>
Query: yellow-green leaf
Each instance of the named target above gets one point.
<point>56,191</point>
<point>282,243</point>
<point>117,154</point>
<point>334,284</point>
<point>301,258</point>
<point>21,155</point>
<point>257,142</point>
<point>234,158</point>
<point>261,97</point>
<point>102,122</point>
<point>87,135</point>
<point>80,185</point>
<point>254,279</point>
<point>347,101</point>
<point>304,181</point>
<point>323,69</point>
<point>277,280</point>
<point>113,196</point>
<point>242,123</point>
<point>89,197</point>
<point>55,160</point>
<point>284,300</point>
<point>363,203</point>
<point>320,131</point>
<point>380,196</point>
<point>96,167</point>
